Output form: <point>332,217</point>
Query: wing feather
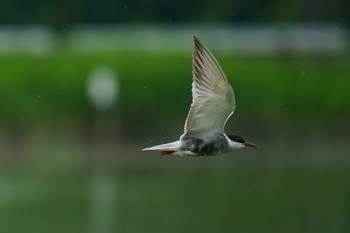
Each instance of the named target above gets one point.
<point>213,100</point>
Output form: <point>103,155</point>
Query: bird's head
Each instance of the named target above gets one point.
<point>237,142</point>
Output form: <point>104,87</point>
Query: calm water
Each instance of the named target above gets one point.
<point>124,190</point>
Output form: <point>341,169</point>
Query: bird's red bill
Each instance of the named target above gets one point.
<point>248,144</point>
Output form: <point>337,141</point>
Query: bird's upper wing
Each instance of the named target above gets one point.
<point>213,100</point>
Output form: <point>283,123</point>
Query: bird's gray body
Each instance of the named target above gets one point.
<point>205,145</point>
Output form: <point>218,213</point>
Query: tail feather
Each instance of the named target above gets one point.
<point>173,146</point>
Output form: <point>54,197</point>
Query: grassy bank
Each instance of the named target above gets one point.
<point>37,90</point>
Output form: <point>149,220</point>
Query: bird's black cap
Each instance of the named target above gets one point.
<point>236,138</point>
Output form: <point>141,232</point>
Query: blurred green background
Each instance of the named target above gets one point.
<point>84,86</point>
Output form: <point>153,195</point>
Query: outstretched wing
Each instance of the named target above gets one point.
<point>213,100</point>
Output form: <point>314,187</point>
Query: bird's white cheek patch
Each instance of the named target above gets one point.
<point>235,145</point>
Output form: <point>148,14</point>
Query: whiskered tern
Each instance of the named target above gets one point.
<point>213,102</point>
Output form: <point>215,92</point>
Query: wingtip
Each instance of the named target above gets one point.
<point>196,40</point>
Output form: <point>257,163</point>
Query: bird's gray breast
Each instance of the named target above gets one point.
<point>206,145</point>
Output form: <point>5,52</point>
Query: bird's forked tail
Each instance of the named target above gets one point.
<point>167,148</point>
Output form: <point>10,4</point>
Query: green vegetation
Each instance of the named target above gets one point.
<point>34,89</point>
<point>94,11</point>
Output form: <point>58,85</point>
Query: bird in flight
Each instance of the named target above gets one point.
<point>213,102</point>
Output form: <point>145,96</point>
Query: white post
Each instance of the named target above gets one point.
<point>102,91</point>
